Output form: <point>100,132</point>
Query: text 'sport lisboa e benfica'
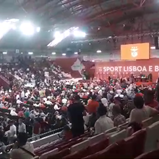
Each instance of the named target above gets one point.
<point>130,69</point>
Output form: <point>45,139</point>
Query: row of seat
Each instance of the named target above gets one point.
<point>98,143</point>
<point>118,140</point>
<point>149,155</point>
<point>58,147</point>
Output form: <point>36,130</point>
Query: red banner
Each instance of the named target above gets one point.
<point>125,68</point>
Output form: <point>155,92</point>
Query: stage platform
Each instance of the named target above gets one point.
<point>145,83</point>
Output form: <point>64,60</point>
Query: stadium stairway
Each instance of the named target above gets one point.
<point>4,81</point>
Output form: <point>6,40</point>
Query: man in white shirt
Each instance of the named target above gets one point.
<point>11,134</point>
<point>141,111</point>
<point>21,127</point>
<point>103,123</point>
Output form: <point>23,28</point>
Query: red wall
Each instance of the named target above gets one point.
<point>4,82</point>
<point>66,63</point>
<point>125,68</point>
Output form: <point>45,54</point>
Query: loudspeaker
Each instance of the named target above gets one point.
<point>156,42</point>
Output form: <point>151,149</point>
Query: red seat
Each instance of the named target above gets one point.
<point>60,154</point>
<point>109,152</point>
<point>139,143</point>
<point>68,145</point>
<point>78,155</point>
<point>90,150</point>
<point>98,146</point>
<point>48,148</point>
<point>119,150</point>
<point>150,155</point>
<point>85,134</point>
<point>126,147</point>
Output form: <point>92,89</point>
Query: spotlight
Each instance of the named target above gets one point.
<point>53,53</point>
<point>27,28</point>
<point>99,51</point>
<point>79,34</point>
<point>4,53</point>
<point>153,47</point>
<point>57,34</point>
<point>13,27</point>
<point>30,53</point>
<point>64,54</point>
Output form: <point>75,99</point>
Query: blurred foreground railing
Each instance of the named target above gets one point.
<point>39,136</point>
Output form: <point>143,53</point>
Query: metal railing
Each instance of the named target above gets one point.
<point>40,136</point>
<point>46,134</point>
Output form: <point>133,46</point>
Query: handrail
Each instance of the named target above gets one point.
<point>46,133</point>
<point>43,134</point>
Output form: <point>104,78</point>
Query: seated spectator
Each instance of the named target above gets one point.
<point>141,112</point>
<point>103,123</point>
<point>117,116</point>
<point>22,149</point>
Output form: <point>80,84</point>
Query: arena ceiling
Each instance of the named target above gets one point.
<point>104,21</point>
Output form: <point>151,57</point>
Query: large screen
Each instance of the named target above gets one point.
<point>135,51</point>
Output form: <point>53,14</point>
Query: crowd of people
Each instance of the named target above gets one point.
<point>34,104</point>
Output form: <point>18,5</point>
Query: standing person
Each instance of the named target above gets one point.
<point>141,111</point>
<point>11,134</point>
<point>22,149</point>
<point>76,111</point>
<point>92,105</point>
<point>103,123</point>
<point>36,129</point>
<point>21,127</point>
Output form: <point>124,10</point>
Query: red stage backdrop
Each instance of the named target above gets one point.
<point>75,66</point>
<point>125,68</point>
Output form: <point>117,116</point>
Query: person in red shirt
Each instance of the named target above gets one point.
<point>21,113</point>
<point>92,105</point>
<point>36,129</point>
